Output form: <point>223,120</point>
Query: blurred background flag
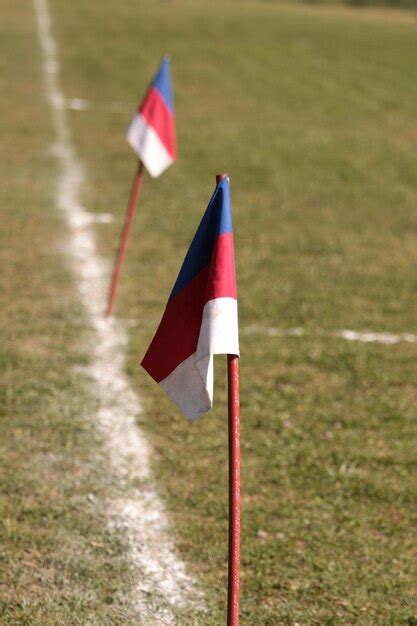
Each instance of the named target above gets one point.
<point>152,131</point>
<point>200,319</point>
<point>152,136</point>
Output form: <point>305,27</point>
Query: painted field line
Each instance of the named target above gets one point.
<point>374,337</point>
<point>80,104</point>
<point>349,335</point>
<point>162,581</point>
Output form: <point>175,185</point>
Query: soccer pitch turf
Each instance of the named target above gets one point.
<point>312,111</point>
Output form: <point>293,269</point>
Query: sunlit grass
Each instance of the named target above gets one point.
<point>313,115</point>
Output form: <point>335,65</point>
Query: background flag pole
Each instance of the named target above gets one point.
<point>233,595</point>
<point>121,252</point>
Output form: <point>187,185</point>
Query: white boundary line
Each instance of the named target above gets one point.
<point>349,335</point>
<point>162,581</point>
<point>372,337</point>
<point>80,104</point>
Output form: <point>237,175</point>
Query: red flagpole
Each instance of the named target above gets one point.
<point>121,252</point>
<point>233,595</point>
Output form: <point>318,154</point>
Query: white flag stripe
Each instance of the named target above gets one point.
<point>219,332</point>
<point>146,143</point>
<point>190,385</point>
<point>186,387</point>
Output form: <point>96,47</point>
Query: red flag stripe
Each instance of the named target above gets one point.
<point>156,113</point>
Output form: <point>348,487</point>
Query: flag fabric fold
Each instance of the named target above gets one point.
<point>151,132</point>
<point>200,319</point>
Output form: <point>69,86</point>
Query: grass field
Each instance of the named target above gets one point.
<point>58,562</point>
<point>313,114</point>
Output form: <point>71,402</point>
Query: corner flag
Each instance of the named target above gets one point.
<point>200,319</point>
<point>152,131</point>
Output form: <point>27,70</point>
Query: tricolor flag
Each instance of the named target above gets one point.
<point>200,319</point>
<point>152,131</point>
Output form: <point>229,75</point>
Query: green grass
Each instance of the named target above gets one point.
<point>312,112</point>
<point>58,562</point>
